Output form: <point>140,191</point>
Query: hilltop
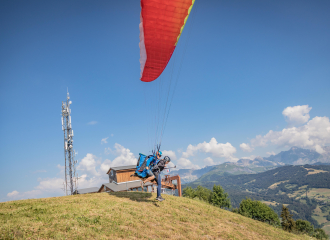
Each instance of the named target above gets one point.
<point>129,215</point>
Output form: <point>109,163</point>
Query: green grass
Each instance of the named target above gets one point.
<point>130,215</point>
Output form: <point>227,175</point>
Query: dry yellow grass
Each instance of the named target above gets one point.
<point>130,215</point>
<point>273,203</point>
<point>273,186</point>
<point>314,171</point>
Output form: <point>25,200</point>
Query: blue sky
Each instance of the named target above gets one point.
<point>245,63</point>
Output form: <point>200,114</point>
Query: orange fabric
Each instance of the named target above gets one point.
<point>162,21</point>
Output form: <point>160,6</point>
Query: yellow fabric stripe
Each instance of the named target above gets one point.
<point>185,20</point>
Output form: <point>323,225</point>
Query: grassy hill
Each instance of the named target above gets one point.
<point>284,185</point>
<point>127,216</point>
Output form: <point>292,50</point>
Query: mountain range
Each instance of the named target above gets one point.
<point>294,156</point>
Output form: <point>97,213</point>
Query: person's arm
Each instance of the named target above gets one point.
<point>162,165</point>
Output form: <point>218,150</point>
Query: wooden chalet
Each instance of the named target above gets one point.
<point>122,174</point>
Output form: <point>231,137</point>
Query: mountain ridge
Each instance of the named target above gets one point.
<point>293,156</point>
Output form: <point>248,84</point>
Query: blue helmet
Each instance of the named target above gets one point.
<point>160,153</point>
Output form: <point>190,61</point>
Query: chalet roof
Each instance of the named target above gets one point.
<point>122,168</point>
<point>124,186</point>
<point>87,190</point>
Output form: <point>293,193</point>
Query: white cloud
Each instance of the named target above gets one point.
<point>246,147</point>
<point>270,153</point>
<point>209,161</point>
<point>50,184</point>
<point>105,166</point>
<point>12,194</point>
<point>252,157</point>
<point>184,163</point>
<point>107,150</point>
<point>169,153</point>
<point>312,135</point>
<point>296,115</point>
<point>217,149</point>
<point>125,156</point>
<point>87,182</point>
<point>92,123</point>
<point>61,168</point>
<point>47,187</point>
<point>88,165</point>
<point>104,140</point>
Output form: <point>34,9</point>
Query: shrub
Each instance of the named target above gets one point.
<point>304,226</point>
<point>219,197</point>
<point>235,210</point>
<point>320,234</point>
<point>258,211</point>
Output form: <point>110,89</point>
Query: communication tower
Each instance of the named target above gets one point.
<point>71,177</point>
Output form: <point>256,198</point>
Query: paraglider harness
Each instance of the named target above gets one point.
<point>144,165</point>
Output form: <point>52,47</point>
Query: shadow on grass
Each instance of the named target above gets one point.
<point>136,196</point>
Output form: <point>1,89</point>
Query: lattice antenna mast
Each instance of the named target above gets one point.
<point>71,180</point>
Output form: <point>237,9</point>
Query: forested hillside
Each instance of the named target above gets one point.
<point>306,189</point>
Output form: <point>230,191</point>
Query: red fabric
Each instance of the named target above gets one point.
<point>162,22</point>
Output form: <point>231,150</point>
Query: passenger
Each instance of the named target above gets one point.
<point>156,170</point>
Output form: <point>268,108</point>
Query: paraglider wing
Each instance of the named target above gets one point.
<point>161,25</point>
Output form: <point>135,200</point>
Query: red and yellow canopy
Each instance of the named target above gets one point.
<point>162,22</point>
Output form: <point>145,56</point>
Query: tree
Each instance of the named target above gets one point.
<point>203,193</point>
<point>304,227</point>
<point>189,192</point>
<point>200,192</point>
<point>288,223</point>
<point>328,217</point>
<point>219,197</point>
<point>320,234</point>
<point>258,211</point>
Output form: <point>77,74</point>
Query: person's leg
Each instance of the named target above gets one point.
<point>149,179</point>
<point>159,188</point>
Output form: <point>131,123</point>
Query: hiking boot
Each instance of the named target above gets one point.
<point>160,199</point>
